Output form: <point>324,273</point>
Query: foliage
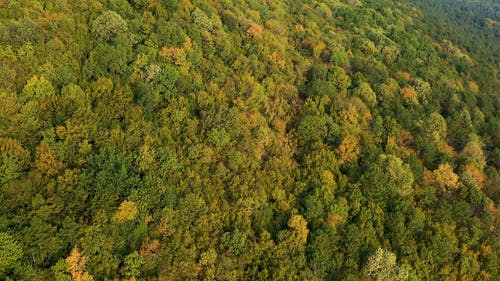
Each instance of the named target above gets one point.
<point>249,140</point>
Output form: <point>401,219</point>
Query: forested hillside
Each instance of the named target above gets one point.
<point>249,140</point>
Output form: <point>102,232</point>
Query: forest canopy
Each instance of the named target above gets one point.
<point>249,140</point>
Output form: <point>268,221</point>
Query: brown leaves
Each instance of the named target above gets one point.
<point>409,95</point>
<point>149,248</point>
<point>472,175</point>
<point>255,30</point>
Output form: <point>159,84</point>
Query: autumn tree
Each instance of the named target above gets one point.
<point>47,160</point>
<point>76,263</point>
<point>127,211</point>
<point>348,150</point>
<point>445,177</point>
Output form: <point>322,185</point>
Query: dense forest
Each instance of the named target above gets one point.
<point>249,140</point>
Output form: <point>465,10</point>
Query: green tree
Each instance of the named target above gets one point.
<point>10,253</point>
<point>133,265</point>
<point>109,24</point>
<point>37,87</point>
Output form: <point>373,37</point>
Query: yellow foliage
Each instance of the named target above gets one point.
<point>126,212</point>
<point>101,87</point>
<point>474,86</point>
<point>349,117</point>
<point>146,159</point>
<point>76,266</point>
<point>47,17</point>
<point>445,148</point>
<point>327,178</point>
<point>46,160</point>
<point>178,56</point>
<point>277,59</point>
<point>334,220</point>
<point>445,177</point>
<point>299,225</point>
<point>14,147</point>
<point>416,11</point>
<point>269,24</point>
<point>428,177</point>
<point>348,150</point>
<point>474,150</point>
<point>401,145</point>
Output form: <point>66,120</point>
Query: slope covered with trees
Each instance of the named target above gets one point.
<point>249,140</point>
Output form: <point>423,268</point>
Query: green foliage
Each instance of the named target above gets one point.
<point>249,140</point>
<point>10,252</point>
<point>109,24</point>
<point>170,34</point>
<point>37,87</point>
<point>133,264</point>
<point>235,242</point>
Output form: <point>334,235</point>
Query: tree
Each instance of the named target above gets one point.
<point>299,229</point>
<point>255,30</point>
<point>60,270</point>
<point>14,159</point>
<point>10,252</point>
<point>471,175</point>
<point>76,266</point>
<point>108,25</point>
<point>312,128</point>
<point>365,92</point>
<point>348,150</point>
<point>445,177</point>
<point>474,151</point>
<point>126,212</point>
<point>235,242</point>
<point>201,19</point>
<point>399,173</point>
<point>382,266</point>
<point>435,127</point>
<point>47,160</point>
<point>339,79</point>
<point>133,265</point>
<point>37,87</point>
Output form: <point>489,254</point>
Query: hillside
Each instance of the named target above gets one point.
<point>249,140</point>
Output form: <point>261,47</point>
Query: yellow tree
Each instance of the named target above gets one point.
<point>46,160</point>
<point>76,266</point>
<point>299,226</point>
<point>126,212</point>
<point>445,177</point>
<point>348,150</point>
